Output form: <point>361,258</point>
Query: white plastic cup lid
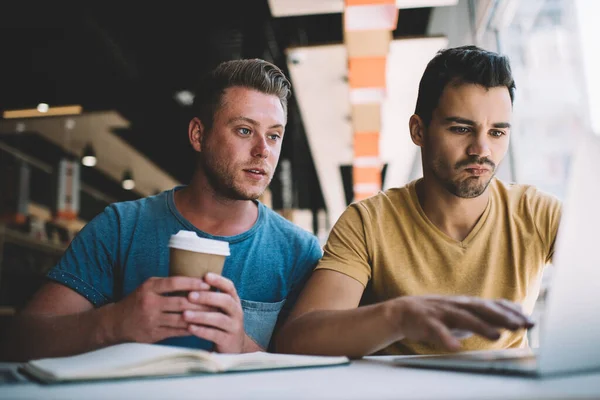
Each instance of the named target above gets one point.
<point>188,240</point>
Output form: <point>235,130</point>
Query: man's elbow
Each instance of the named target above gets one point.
<point>12,342</point>
<point>282,340</point>
<point>288,338</point>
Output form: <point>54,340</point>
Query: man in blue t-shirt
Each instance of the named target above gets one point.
<point>110,285</point>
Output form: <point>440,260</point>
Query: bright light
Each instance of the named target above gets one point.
<point>43,107</point>
<point>128,184</point>
<point>588,31</point>
<point>89,161</point>
<point>184,97</point>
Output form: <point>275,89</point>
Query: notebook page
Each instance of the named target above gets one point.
<point>260,360</point>
<point>111,359</point>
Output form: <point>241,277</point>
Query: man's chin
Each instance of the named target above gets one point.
<point>471,188</point>
<point>248,194</point>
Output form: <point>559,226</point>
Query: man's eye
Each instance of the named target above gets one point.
<point>460,129</point>
<point>497,133</point>
<point>274,137</point>
<point>244,131</point>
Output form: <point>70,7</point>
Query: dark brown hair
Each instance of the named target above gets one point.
<point>254,74</point>
<point>465,64</point>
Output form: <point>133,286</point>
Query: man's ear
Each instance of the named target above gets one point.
<point>417,130</point>
<point>195,132</point>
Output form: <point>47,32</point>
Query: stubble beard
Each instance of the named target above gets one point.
<point>468,188</point>
<point>223,181</point>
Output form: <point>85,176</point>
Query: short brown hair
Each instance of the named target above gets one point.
<point>465,64</point>
<point>254,74</point>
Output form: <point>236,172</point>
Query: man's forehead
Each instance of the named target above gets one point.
<point>475,99</point>
<point>261,108</point>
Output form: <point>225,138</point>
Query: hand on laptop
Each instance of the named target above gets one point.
<point>434,319</point>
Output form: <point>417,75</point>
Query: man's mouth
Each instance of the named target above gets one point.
<point>256,171</point>
<point>476,170</point>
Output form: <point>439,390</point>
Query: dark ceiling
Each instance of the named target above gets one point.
<point>133,58</point>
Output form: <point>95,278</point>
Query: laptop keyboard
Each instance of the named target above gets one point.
<point>508,360</point>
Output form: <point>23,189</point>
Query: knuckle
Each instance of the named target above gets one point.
<point>430,322</point>
<point>239,325</point>
<point>231,286</point>
<point>174,281</point>
<point>146,300</point>
<point>463,300</point>
<point>233,305</point>
<point>222,320</point>
<point>181,302</point>
<point>147,284</point>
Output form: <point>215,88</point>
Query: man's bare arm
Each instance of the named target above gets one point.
<point>58,321</point>
<point>326,319</point>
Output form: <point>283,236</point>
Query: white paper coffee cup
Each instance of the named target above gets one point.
<point>191,255</point>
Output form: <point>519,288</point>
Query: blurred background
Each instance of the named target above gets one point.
<point>95,102</point>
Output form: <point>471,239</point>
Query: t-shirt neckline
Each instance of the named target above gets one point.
<point>231,239</point>
<point>412,188</point>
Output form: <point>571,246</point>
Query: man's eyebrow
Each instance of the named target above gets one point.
<point>251,121</point>
<point>460,120</point>
<point>245,119</point>
<point>469,122</point>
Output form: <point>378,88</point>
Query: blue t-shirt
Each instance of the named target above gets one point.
<point>128,243</point>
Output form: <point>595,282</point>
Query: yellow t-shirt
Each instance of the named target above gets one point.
<point>388,244</point>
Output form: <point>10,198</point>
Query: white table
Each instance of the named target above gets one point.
<point>371,378</point>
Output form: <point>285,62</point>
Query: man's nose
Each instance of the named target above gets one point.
<point>261,148</point>
<point>480,146</point>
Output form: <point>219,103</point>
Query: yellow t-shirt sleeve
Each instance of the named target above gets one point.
<point>546,210</point>
<point>346,249</point>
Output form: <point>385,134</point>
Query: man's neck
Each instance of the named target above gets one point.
<point>455,216</point>
<point>212,213</point>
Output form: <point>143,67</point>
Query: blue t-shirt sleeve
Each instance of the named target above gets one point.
<point>87,265</point>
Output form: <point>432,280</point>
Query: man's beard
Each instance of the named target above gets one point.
<point>468,188</point>
<point>222,181</point>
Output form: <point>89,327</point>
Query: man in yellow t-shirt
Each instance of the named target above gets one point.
<point>406,271</point>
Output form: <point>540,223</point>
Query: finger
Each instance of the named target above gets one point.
<point>457,318</point>
<point>211,334</point>
<point>510,313</point>
<point>493,314</point>
<point>180,304</point>
<point>516,309</point>
<point>441,335</point>
<point>211,319</point>
<point>461,334</point>
<point>222,301</point>
<point>223,284</point>
<point>178,283</point>
<point>173,321</point>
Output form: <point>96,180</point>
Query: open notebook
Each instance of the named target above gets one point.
<point>131,360</point>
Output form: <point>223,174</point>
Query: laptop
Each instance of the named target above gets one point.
<point>570,334</point>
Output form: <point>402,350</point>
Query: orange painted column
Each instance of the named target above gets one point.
<point>368,26</point>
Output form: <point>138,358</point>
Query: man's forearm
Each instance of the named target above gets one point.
<point>250,346</point>
<point>38,336</point>
<point>353,333</point>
